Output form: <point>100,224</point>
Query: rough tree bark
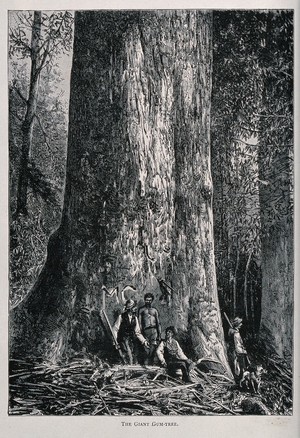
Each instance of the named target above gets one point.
<point>138,190</point>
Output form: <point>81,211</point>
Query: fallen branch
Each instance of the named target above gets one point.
<point>176,388</point>
<point>220,404</point>
<point>221,376</point>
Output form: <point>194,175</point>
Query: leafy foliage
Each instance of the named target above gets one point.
<point>46,164</point>
<point>42,186</point>
<point>276,123</point>
<point>55,39</point>
<point>236,96</point>
<point>27,255</point>
<point>250,104</point>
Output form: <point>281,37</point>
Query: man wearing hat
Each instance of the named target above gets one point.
<point>237,351</point>
<point>172,357</point>
<point>127,331</point>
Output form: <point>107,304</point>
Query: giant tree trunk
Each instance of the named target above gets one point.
<point>138,191</point>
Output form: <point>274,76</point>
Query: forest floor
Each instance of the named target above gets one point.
<point>84,386</point>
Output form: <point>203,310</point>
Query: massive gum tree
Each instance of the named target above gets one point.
<point>137,209</point>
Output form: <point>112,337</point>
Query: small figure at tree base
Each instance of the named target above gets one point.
<point>237,352</point>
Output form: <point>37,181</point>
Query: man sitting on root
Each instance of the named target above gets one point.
<point>172,357</point>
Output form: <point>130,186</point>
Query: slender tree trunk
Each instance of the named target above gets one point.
<point>27,125</point>
<point>234,286</point>
<point>138,191</point>
<point>245,283</point>
<point>252,307</point>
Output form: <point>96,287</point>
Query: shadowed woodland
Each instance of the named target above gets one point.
<point>150,152</point>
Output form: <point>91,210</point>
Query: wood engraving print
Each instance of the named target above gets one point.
<point>151,212</point>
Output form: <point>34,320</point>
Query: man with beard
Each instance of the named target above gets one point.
<point>150,327</point>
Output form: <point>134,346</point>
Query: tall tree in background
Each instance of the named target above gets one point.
<point>46,173</point>
<point>50,35</point>
<point>252,100</point>
<point>276,194</point>
<point>138,192</point>
<point>236,97</point>
<point>38,109</point>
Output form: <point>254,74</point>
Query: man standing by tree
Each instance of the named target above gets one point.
<point>237,351</point>
<point>150,326</point>
<point>127,330</point>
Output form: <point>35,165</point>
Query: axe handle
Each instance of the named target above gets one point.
<point>228,320</point>
<point>114,339</point>
<point>103,300</point>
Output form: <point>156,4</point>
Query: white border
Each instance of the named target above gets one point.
<point>106,427</point>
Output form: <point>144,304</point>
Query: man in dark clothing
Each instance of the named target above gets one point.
<point>127,330</point>
<point>150,327</point>
<point>172,357</point>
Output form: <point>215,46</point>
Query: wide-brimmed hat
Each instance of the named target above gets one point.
<point>237,321</point>
<point>172,329</point>
<point>129,304</point>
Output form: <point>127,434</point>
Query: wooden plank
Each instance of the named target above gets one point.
<point>110,334</point>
